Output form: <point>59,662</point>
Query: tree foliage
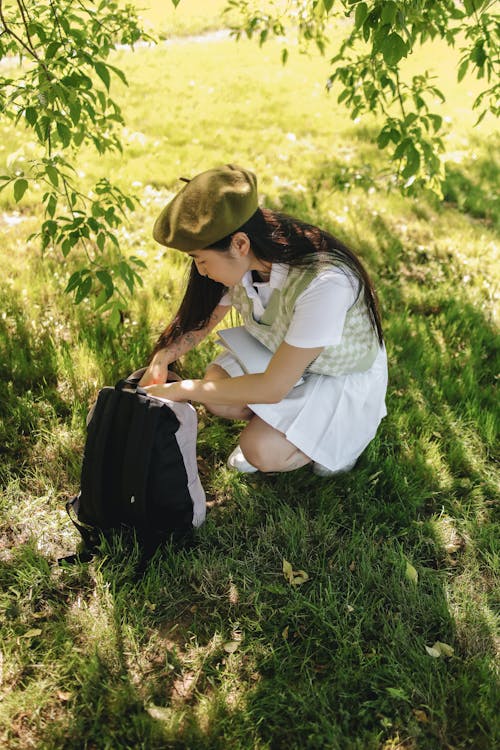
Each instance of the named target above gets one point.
<point>366,71</point>
<point>61,94</point>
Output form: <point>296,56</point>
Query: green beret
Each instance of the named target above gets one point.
<point>209,207</point>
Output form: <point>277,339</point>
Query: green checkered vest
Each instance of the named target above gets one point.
<point>357,349</point>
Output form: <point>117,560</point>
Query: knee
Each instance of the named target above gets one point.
<point>258,453</point>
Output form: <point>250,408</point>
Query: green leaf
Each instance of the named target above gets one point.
<point>51,50</point>
<point>83,290</point>
<point>31,115</point>
<point>64,133</point>
<point>103,73</point>
<point>20,187</point>
<point>114,318</point>
<point>121,75</point>
<point>105,279</point>
<point>393,49</point>
<point>52,174</point>
<point>328,5</point>
<point>401,148</point>
<point>383,138</point>
<point>73,282</point>
<point>51,205</point>
<point>360,14</point>
<point>389,11</point>
<point>436,120</point>
<point>411,167</point>
<point>75,109</point>
<point>462,70</point>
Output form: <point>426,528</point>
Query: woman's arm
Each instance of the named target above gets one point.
<point>157,371</point>
<point>269,387</point>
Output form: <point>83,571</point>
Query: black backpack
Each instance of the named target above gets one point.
<point>139,469</point>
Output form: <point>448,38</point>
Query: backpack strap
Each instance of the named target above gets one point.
<point>85,532</point>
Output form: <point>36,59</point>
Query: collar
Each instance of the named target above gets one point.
<point>277,278</point>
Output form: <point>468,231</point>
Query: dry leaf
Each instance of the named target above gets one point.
<point>287,570</point>
<point>294,577</point>
<point>231,646</point>
<point>299,576</point>
<point>284,633</point>
<point>420,716</point>
<point>433,652</point>
<point>31,633</point>
<point>445,650</point>
<point>161,713</point>
<point>63,696</point>
<point>411,573</point>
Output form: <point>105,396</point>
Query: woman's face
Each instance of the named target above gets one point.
<point>226,266</point>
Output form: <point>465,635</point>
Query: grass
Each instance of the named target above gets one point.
<point>211,647</point>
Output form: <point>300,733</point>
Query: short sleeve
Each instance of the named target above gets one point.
<point>320,310</point>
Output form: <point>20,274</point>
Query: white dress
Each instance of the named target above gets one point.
<point>329,418</point>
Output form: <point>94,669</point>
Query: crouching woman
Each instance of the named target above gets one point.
<point>299,291</point>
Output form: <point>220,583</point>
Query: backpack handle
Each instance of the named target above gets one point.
<point>133,380</point>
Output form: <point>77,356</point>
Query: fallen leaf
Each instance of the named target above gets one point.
<point>231,646</point>
<point>161,713</point>
<point>420,716</point>
<point>63,696</point>
<point>287,570</point>
<point>294,577</point>
<point>433,652</point>
<point>299,576</point>
<point>445,650</point>
<point>352,567</point>
<point>31,633</point>
<point>284,633</point>
<point>411,573</point>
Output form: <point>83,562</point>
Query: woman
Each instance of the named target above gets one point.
<point>304,295</point>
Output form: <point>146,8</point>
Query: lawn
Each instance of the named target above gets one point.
<point>211,647</point>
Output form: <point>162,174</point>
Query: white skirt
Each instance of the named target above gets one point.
<point>329,418</point>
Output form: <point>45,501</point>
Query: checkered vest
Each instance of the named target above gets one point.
<point>357,349</point>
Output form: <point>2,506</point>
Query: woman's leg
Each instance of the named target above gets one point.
<point>268,449</point>
<point>215,372</point>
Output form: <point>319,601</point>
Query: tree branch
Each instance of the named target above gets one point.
<point>28,47</point>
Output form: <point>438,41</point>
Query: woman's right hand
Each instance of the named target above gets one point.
<point>157,371</point>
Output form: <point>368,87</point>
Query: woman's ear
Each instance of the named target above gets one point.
<point>241,244</point>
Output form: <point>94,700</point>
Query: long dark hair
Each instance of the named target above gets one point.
<point>275,238</point>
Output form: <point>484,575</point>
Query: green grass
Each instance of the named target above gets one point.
<point>211,647</point>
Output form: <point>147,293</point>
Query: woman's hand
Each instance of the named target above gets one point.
<point>157,371</point>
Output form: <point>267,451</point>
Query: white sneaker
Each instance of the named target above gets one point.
<point>323,471</point>
<point>238,461</point>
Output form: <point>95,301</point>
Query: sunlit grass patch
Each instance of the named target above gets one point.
<point>211,645</point>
